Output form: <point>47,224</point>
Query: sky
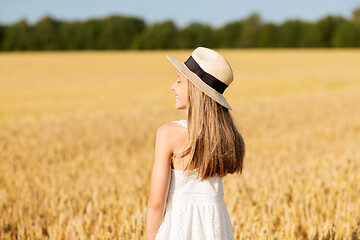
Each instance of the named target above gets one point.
<point>213,12</point>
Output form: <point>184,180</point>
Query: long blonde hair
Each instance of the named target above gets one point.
<point>215,145</point>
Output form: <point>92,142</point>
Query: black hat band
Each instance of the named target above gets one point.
<point>207,78</point>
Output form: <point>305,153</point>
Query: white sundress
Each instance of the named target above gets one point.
<point>195,209</point>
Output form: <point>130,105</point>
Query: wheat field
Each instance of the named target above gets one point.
<point>77,135</point>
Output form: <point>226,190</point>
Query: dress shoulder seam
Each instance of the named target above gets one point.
<point>181,122</point>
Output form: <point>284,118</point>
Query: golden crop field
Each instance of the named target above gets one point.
<point>77,135</point>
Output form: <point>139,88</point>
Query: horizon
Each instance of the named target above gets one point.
<point>277,12</point>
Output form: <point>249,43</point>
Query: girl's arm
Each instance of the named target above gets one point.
<point>160,180</point>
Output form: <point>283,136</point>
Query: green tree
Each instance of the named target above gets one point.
<point>16,36</point>
<point>325,29</point>
<point>123,32</point>
<point>157,36</point>
<point>44,35</point>
<point>251,31</point>
<point>229,35</point>
<point>356,20</point>
<point>268,36</point>
<point>356,16</point>
<point>290,33</point>
<point>2,36</point>
<point>118,32</point>
<point>93,34</point>
<point>308,35</point>
<point>71,36</point>
<point>196,34</point>
<point>346,35</point>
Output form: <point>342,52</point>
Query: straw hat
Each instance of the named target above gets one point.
<point>209,71</point>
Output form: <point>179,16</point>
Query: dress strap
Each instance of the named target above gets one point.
<point>181,122</point>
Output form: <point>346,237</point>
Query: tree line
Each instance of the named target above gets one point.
<point>119,32</point>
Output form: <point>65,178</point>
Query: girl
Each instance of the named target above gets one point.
<point>192,156</point>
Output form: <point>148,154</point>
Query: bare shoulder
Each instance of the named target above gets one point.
<point>170,129</point>
<point>172,133</point>
<point>171,138</point>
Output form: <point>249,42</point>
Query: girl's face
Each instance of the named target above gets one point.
<point>180,90</point>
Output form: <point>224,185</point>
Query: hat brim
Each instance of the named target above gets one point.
<point>196,80</point>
